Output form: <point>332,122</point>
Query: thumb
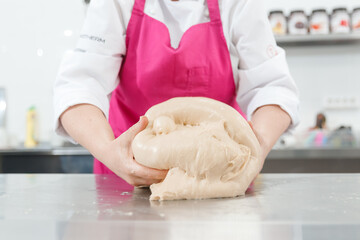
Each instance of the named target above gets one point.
<point>251,125</point>
<point>130,134</point>
<point>255,132</point>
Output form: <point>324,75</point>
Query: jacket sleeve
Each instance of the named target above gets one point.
<point>264,74</point>
<point>89,73</point>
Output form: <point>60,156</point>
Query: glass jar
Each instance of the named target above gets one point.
<point>319,22</point>
<point>356,20</point>
<point>298,23</point>
<point>340,21</point>
<point>278,22</point>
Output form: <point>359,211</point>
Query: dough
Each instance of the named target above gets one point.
<point>208,147</point>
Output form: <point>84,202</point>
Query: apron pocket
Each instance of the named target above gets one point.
<point>198,79</point>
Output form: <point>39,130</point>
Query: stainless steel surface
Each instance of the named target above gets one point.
<point>280,206</point>
<point>2,108</point>
<point>318,39</point>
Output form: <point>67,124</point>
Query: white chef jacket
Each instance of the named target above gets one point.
<point>89,73</point>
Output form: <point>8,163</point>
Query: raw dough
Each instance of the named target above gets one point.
<point>208,146</point>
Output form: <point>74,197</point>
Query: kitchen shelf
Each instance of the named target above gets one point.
<point>47,159</point>
<point>315,153</point>
<point>285,154</point>
<point>45,150</point>
<point>329,39</point>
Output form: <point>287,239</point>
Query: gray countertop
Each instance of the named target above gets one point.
<point>279,206</point>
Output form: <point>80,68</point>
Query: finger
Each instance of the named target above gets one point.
<point>130,134</point>
<point>134,169</point>
<point>140,182</point>
<point>146,172</point>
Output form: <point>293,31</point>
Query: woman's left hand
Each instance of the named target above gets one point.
<point>268,123</point>
<point>264,148</point>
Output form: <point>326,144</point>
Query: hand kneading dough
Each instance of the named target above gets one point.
<point>208,146</point>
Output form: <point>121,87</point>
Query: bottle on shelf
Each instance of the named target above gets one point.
<point>319,22</point>
<point>356,20</point>
<point>340,21</point>
<point>30,140</point>
<point>278,22</point>
<point>298,23</point>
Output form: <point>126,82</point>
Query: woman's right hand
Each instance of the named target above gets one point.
<point>88,126</point>
<point>119,158</point>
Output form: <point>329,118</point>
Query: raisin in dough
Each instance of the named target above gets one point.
<point>208,147</point>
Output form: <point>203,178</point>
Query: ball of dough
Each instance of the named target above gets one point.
<point>163,125</point>
<point>208,147</point>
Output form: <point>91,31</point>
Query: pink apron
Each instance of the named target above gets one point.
<point>153,71</point>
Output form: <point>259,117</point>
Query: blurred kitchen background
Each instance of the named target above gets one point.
<point>34,36</point>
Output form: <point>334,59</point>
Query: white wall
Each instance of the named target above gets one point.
<point>322,71</point>
<point>29,28</point>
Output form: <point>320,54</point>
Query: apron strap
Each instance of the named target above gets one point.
<point>214,10</point>
<point>139,6</point>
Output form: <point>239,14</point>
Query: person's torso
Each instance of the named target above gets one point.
<point>181,15</point>
<point>154,71</point>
